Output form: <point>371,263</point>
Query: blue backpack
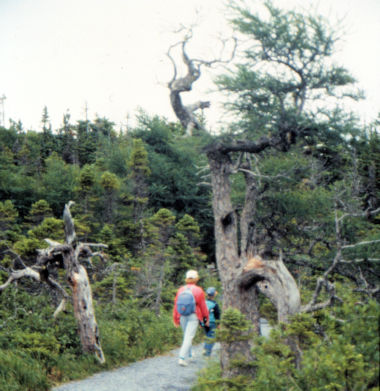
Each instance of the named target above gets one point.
<point>211,305</point>
<point>186,302</point>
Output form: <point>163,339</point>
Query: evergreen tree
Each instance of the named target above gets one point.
<point>48,141</point>
<point>67,141</point>
<point>85,189</point>
<point>38,212</point>
<point>139,173</point>
<point>111,185</point>
<point>156,262</point>
<point>59,182</point>
<point>8,220</point>
<point>87,143</point>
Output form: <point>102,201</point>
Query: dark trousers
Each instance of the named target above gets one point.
<point>210,339</point>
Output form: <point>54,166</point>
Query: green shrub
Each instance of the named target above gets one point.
<point>130,333</point>
<point>19,372</point>
<point>339,352</point>
<point>39,346</point>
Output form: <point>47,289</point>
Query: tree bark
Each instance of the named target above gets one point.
<point>230,265</point>
<point>80,285</point>
<point>275,282</point>
<point>243,275</point>
<point>85,314</point>
<point>178,85</point>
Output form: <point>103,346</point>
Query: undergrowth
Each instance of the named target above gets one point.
<point>339,352</point>
<point>37,352</point>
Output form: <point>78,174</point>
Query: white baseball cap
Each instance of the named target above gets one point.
<point>192,274</point>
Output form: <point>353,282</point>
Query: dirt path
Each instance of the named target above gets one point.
<point>161,373</point>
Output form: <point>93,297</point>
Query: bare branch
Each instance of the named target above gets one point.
<point>204,184</point>
<point>264,176</point>
<point>367,289</point>
<point>93,245</point>
<point>360,214</point>
<point>220,60</point>
<point>360,243</point>
<point>56,285</point>
<point>60,308</point>
<point>52,243</point>
<point>371,292</point>
<point>18,274</point>
<point>338,259</point>
<point>177,85</point>
<point>322,282</point>
<point>241,146</point>
<point>69,223</point>
<point>18,263</point>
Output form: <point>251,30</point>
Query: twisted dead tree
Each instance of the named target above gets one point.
<point>186,114</point>
<point>67,256</point>
<point>242,265</point>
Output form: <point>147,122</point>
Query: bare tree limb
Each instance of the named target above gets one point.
<point>275,282</point>
<point>69,223</point>
<point>60,308</point>
<point>177,85</point>
<point>18,262</point>
<point>18,274</point>
<point>264,176</point>
<point>360,244</point>
<point>322,282</point>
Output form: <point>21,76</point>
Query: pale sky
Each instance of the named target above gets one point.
<point>110,54</point>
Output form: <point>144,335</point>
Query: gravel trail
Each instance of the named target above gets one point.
<point>160,373</point>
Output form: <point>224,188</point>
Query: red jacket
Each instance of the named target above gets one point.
<point>201,307</point>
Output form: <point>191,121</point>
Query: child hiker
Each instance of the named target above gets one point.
<point>189,310</point>
<point>214,316</point>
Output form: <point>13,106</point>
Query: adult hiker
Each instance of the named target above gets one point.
<point>189,311</point>
<point>214,316</point>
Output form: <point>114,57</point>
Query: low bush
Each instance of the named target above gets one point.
<point>21,372</point>
<point>339,352</point>
<point>37,351</point>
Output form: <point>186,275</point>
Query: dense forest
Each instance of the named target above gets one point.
<point>294,177</point>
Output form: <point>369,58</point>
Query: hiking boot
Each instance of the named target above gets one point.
<point>182,362</point>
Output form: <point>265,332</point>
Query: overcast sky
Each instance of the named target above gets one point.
<point>111,54</point>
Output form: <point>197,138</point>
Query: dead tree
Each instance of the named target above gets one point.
<point>67,256</point>
<point>186,114</point>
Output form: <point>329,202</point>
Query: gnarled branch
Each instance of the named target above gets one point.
<point>177,85</point>
<point>273,279</point>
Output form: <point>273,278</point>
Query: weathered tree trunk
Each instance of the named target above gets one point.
<point>230,265</point>
<point>186,114</point>
<point>274,281</point>
<point>160,284</point>
<point>243,275</point>
<point>80,285</point>
<point>85,314</point>
<point>178,85</point>
<point>82,302</point>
